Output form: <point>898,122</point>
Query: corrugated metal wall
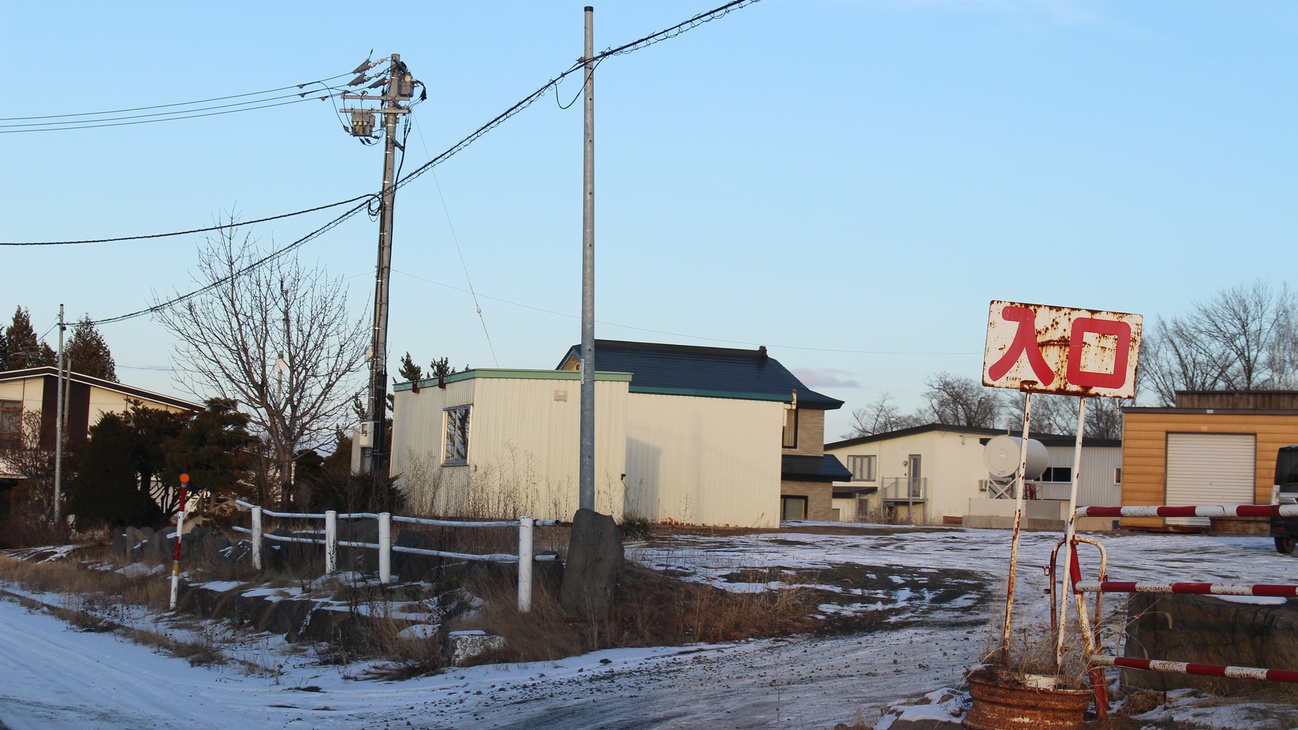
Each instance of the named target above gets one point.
<point>709,461</point>
<point>523,448</point>
<point>1097,487</point>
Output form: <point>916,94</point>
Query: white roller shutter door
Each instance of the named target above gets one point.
<point>1207,468</point>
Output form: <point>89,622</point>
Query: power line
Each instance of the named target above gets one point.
<point>208,229</point>
<point>223,280</point>
<point>107,123</point>
<point>527,101</point>
<point>446,155</point>
<point>168,116</point>
<point>180,103</point>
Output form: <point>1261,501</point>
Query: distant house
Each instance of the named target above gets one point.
<point>695,435</point>
<point>35,390</point>
<point>88,398</point>
<point>1211,448</point>
<point>720,436</point>
<point>936,473</point>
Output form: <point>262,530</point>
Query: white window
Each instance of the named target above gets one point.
<point>1117,475</point>
<point>456,450</point>
<point>862,468</point>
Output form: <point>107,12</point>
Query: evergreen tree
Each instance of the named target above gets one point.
<point>409,372</point>
<point>212,449</point>
<point>151,429</point>
<point>105,489</point>
<point>22,349</point>
<point>87,352</point>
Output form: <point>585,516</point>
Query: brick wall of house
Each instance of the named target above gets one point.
<point>820,497</point>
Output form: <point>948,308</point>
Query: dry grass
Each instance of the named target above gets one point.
<point>651,609</point>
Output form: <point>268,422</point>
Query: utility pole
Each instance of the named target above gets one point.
<point>58,431</point>
<point>398,87</point>
<point>586,465</point>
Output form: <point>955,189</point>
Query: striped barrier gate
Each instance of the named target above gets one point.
<point>1220,589</point>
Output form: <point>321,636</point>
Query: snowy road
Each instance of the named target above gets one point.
<point>52,676</point>
<point>56,677</point>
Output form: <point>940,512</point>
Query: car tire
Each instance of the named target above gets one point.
<point>1285,545</point>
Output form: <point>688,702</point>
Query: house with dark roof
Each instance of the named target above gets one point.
<point>694,435</point>
<point>735,419</point>
<point>936,473</point>
<point>33,392</point>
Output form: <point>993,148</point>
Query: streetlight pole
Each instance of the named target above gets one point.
<point>586,465</point>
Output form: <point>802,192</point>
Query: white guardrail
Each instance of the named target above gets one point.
<point>524,558</point>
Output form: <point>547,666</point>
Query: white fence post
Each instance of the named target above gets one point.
<point>256,537</point>
<point>385,547</point>
<point>525,528</point>
<point>331,541</point>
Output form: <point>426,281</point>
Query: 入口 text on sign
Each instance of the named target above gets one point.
<point>1061,350</point>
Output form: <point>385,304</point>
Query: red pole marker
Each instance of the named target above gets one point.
<point>180,527</point>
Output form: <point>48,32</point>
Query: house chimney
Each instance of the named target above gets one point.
<point>761,353</point>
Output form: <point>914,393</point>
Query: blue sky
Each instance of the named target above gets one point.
<point>846,182</point>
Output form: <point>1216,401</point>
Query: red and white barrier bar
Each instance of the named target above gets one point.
<point>1203,510</point>
<point>1206,670</point>
<point>1216,589</point>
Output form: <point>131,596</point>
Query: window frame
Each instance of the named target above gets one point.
<point>1052,470</point>
<point>11,409</point>
<point>456,430</point>
<point>870,461</point>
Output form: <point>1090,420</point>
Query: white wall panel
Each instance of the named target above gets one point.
<point>709,461</point>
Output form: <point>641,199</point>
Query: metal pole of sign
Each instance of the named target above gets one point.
<point>1069,532</point>
<point>180,529</point>
<point>1018,519</point>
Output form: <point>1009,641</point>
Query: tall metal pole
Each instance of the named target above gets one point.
<point>586,471</point>
<point>379,345</point>
<point>58,432</point>
<point>1018,519</point>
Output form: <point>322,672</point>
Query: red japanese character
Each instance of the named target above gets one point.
<point>1025,340</point>
<point>1076,343</point>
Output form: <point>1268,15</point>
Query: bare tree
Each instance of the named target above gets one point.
<point>1243,338</point>
<point>273,337</point>
<point>1057,415</point>
<point>957,401</point>
<point>881,416</point>
<point>1104,418</point>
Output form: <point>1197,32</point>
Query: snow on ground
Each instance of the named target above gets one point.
<point>54,676</point>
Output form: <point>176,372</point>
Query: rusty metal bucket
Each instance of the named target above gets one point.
<point>1003,700</point>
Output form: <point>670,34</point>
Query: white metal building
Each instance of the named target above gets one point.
<point>707,436</point>
<point>935,473</point>
<point>504,443</point>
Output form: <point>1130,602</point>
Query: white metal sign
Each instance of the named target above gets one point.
<point>1045,349</point>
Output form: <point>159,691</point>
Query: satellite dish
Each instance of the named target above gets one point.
<point>1001,455</point>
